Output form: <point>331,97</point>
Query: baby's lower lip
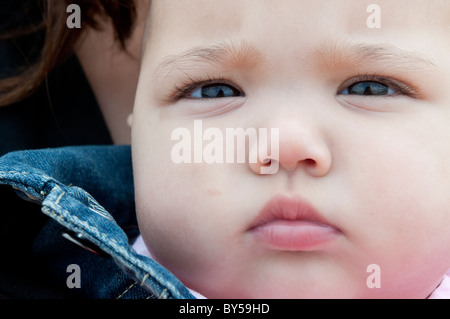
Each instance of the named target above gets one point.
<point>294,235</point>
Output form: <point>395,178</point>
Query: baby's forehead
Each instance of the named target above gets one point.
<point>203,10</point>
<point>177,25</point>
<point>353,14</point>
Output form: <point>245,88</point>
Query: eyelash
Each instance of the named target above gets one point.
<point>400,87</point>
<point>182,90</point>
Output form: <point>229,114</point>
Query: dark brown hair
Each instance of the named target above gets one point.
<point>59,41</point>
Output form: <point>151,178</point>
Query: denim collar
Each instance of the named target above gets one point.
<point>88,192</point>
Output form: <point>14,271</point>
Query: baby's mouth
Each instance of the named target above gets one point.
<point>292,224</point>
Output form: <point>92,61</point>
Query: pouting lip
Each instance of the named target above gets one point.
<point>288,208</point>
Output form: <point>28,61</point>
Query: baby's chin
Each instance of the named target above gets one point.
<point>273,290</point>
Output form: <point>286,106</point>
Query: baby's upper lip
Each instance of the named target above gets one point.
<point>282,207</point>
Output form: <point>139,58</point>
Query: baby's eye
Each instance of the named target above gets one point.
<point>369,88</point>
<point>214,91</point>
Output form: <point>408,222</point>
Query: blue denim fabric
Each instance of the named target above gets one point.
<point>65,181</point>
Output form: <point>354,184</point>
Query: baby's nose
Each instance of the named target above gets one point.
<point>300,145</point>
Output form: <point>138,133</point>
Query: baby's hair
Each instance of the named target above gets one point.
<point>54,41</point>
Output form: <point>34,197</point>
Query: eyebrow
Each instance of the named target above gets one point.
<point>360,54</point>
<point>328,56</point>
<point>226,54</point>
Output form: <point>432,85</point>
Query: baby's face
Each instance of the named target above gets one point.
<point>362,169</point>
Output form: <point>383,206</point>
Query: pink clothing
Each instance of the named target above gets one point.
<point>441,292</point>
